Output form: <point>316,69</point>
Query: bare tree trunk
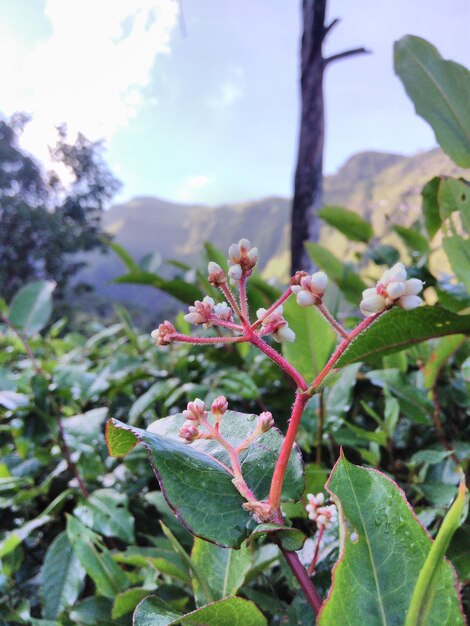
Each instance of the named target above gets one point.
<point>308,185</point>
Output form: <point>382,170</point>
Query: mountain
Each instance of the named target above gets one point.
<point>379,186</point>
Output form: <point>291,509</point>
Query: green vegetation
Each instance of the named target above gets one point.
<point>89,534</point>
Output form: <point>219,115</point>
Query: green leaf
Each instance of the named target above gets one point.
<point>122,253</point>
<point>126,601</point>
<point>342,274</point>
<point>422,609</point>
<point>458,252</point>
<point>440,91</point>
<point>183,291</point>
<point>228,612</point>
<point>396,329</point>
<point>195,476</point>
<point>383,548</point>
<point>106,512</point>
<point>454,195</point>
<point>62,577</point>
<point>315,339</point>
<point>157,391</point>
<point>13,538</point>
<point>445,348</point>
<point>413,239</point>
<point>432,218</point>
<point>96,559</point>
<point>224,569</point>
<point>347,222</point>
<point>289,538</point>
<point>31,307</point>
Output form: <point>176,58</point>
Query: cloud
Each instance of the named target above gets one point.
<point>230,91</point>
<point>92,71</point>
<point>191,188</point>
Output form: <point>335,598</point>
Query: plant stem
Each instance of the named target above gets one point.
<point>225,289</point>
<point>243,300</point>
<point>279,359</point>
<point>342,347</point>
<point>287,445</point>
<point>329,318</point>
<point>302,576</point>
<point>321,420</point>
<point>311,567</point>
<point>207,340</point>
<point>272,308</point>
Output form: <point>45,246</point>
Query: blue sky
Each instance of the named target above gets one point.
<point>207,111</point>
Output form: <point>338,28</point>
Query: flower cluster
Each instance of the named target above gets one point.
<point>195,415</point>
<point>309,288</point>
<point>324,516</point>
<point>206,312</point>
<point>392,288</point>
<point>163,334</point>
<point>276,324</point>
<point>242,259</point>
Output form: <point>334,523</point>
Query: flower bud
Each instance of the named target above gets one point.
<point>310,289</point>
<point>372,305</point>
<point>163,334</point>
<point>201,312</point>
<point>235,273</point>
<point>216,275</point>
<point>265,421</point>
<point>223,312</point>
<point>195,411</point>
<point>219,406</point>
<point>409,302</point>
<point>188,432</point>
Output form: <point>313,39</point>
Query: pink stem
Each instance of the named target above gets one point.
<point>284,456</point>
<point>311,567</point>
<point>277,358</point>
<point>225,289</point>
<point>272,308</point>
<point>225,324</point>
<point>331,320</point>
<point>207,340</point>
<point>243,300</point>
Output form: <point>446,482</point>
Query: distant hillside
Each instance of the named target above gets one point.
<point>377,185</point>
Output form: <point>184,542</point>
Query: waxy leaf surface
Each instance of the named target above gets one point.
<point>195,478</point>
<point>383,548</point>
<point>396,329</point>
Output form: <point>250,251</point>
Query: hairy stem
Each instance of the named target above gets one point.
<point>207,340</point>
<point>243,300</point>
<point>331,320</point>
<point>284,456</point>
<point>321,420</point>
<point>272,308</point>
<point>311,567</point>
<point>225,289</point>
<point>279,360</point>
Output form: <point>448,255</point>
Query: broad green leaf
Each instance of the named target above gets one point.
<point>224,569</point>
<point>414,402</point>
<point>92,611</point>
<point>289,538</point>
<point>183,291</point>
<point>459,553</point>
<point>383,548</point>
<point>444,349</point>
<point>31,308</point>
<point>440,91</point>
<point>196,476</point>
<point>458,252</point>
<point>96,559</point>
<point>432,218</point>
<point>126,601</point>
<point>413,239</point>
<point>165,561</point>
<point>454,195</point>
<point>315,339</point>
<point>422,609</point>
<point>106,512</point>
<point>62,577</point>
<point>228,612</point>
<point>341,273</point>
<point>157,391</point>
<point>396,329</point>
<point>13,538</point>
<point>350,223</point>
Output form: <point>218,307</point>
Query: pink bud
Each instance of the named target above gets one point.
<point>219,406</point>
<point>216,274</point>
<point>195,411</point>
<point>265,421</point>
<point>188,432</point>
<point>163,334</point>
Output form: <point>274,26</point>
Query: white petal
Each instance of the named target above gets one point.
<point>193,318</point>
<point>397,273</point>
<point>367,293</point>
<point>296,288</point>
<point>305,298</point>
<point>234,252</point>
<point>244,245</point>
<point>284,333</point>
<point>319,281</point>
<point>260,313</point>
<point>413,286</point>
<point>409,302</point>
<point>372,305</point>
<point>235,272</point>
<point>395,289</point>
<point>209,300</point>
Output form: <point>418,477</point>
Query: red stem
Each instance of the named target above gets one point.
<point>207,340</point>
<point>331,320</point>
<point>287,445</point>
<point>311,567</point>
<point>302,576</point>
<point>272,308</point>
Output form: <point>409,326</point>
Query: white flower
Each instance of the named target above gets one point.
<point>392,288</point>
<point>201,312</point>
<point>323,516</point>
<point>223,311</point>
<point>242,259</point>
<point>310,289</point>
<point>216,275</point>
<point>276,324</point>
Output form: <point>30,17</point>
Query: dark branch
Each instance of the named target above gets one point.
<point>330,26</point>
<point>345,54</point>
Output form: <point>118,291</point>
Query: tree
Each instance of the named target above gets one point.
<point>308,185</point>
<point>43,225</point>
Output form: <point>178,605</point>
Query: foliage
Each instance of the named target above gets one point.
<point>43,224</point>
<point>89,538</point>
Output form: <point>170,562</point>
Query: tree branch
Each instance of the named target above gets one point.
<point>330,27</point>
<point>345,54</point>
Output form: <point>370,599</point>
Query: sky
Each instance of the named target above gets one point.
<point>198,100</point>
